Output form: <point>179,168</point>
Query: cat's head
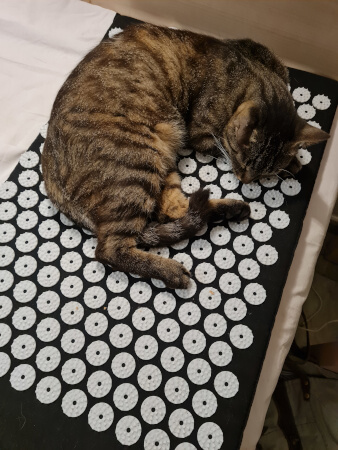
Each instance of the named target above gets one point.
<point>262,141</point>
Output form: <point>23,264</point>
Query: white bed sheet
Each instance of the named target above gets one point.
<point>40,42</point>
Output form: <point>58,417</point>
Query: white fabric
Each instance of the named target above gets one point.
<point>41,41</point>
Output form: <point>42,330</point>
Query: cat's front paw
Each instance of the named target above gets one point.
<point>206,144</point>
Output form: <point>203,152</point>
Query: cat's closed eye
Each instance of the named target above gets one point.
<point>267,146</point>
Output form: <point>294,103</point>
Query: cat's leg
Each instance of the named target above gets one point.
<point>205,143</point>
<point>122,254</point>
<point>200,211</point>
<point>173,203</point>
<point>202,135</point>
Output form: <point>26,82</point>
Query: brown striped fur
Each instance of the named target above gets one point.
<point>109,160</point>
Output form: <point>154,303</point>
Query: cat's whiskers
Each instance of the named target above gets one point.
<point>276,174</point>
<point>284,170</point>
<point>213,157</point>
<point>221,148</point>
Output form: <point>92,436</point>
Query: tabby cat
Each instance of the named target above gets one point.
<point>109,160</point>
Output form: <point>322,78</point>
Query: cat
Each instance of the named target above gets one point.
<point>117,123</point>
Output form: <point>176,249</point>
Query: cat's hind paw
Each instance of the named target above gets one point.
<point>237,210</point>
<point>177,277</point>
<point>199,201</point>
<point>230,209</point>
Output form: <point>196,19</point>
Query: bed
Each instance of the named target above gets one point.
<point>40,43</point>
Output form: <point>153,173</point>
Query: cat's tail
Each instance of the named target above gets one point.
<point>200,211</point>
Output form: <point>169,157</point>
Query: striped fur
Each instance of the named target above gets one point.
<point>109,159</point>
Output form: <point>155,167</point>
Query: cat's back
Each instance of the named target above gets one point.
<point>135,77</point>
<point>134,61</point>
<point>106,116</point>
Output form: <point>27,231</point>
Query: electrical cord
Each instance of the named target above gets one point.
<point>320,328</point>
<point>313,315</point>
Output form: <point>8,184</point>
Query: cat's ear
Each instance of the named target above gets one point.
<point>307,135</point>
<point>243,123</point>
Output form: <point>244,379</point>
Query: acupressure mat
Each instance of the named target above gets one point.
<point>96,359</point>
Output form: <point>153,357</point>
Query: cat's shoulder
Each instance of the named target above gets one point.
<point>259,53</point>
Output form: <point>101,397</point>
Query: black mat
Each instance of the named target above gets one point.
<point>95,359</point>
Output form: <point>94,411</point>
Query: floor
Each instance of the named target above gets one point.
<point>321,306</point>
<point>318,366</point>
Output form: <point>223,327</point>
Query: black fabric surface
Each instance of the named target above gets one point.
<point>26,423</point>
